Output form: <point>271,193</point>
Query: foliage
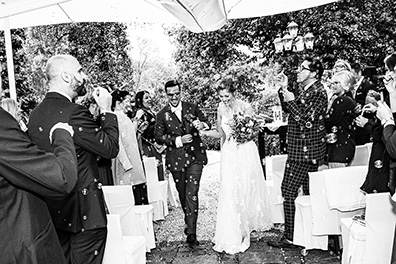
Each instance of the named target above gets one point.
<point>101,48</point>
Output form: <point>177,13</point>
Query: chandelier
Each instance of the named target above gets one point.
<point>292,41</point>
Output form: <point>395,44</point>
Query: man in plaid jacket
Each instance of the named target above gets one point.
<point>305,138</point>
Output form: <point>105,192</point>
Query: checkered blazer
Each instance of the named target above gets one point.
<point>306,130</point>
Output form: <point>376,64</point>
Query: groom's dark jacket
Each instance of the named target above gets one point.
<point>169,127</point>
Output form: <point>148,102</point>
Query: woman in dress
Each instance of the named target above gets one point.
<point>127,166</point>
<point>339,121</point>
<point>145,118</point>
<point>243,199</point>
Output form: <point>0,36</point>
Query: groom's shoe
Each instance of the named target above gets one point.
<point>192,240</point>
<point>281,243</point>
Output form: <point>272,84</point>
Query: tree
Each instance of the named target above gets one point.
<point>101,48</point>
<point>354,30</point>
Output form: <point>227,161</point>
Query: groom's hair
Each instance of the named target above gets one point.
<point>172,83</point>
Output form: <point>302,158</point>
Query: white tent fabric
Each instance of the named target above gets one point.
<point>196,15</point>
<point>210,15</point>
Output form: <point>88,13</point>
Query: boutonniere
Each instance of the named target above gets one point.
<point>167,116</point>
<point>189,117</point>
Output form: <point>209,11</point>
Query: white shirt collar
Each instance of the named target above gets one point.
<point>309,85</point>
<point>358,83</point>
<point>177,108</point>
<point>61,93</point>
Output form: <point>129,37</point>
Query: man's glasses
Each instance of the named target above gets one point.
<point>388,78</point>
<point>173,94</point>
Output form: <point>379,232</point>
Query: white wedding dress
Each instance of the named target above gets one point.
<point>243,199</point>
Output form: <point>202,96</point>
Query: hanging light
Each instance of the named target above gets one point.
<point>298,43</point>
<point>278,43</point>
<point>287,42</point>
<point>309,40</point>
<point>292,27</point>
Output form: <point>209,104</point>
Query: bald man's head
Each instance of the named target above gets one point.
<point>64,72</point>
<point>59,64</point>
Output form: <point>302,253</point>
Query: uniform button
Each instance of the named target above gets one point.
<point>84,191</point>
<point>40,129</point>
<point>70,224</point>
<point>99,185</point>
<point>84,217</point>
<point>96,252</point>
<point>80,129</point>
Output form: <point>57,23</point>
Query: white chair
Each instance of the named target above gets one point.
<point>362,155</point>
<point>121,249</point>
<point>371,242</point>
<point>135,220</point>
<point>157,191</point>
<point>341,187</point>
<point>303,226</point>
<point>274,169</point>
<point>172,192</point>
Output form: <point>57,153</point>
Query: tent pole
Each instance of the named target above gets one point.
<point>10,59</point>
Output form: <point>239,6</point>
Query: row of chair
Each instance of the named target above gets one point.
<point>335,207</point>
<point>130,227</point>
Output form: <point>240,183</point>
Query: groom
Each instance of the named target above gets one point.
<point>177,127</point>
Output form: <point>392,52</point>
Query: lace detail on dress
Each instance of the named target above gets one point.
<point>243,199</point>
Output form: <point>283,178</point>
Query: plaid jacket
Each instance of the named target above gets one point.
<point>306,130</point>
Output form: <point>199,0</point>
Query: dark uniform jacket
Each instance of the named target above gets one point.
<point>26,175</point>
<point>340,121</point>
<point>306,130</point>
<point>84,208</point>
<point>169,127</point>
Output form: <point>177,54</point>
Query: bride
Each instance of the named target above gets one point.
<point>243,199</point>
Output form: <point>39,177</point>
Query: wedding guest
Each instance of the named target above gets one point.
<point>243,198</point>
<point>27,174</point>
<point>79,218</point>
<point>386,113</point>
<point>145,118</point>
<point>359,94</point>
<point>339,121</point>
<point>104,165</point>
<point>12,107</point>
<point>177,127</point>
<point>128,166</point>
<point>305,137</point>
<point>380,175</point>
<point>341,65</point>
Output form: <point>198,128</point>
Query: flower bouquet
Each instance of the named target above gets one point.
<point>244,127</point>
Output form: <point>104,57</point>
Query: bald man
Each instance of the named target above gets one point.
<point>80,218</point>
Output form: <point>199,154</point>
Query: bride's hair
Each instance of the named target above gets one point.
<point>228,84</point>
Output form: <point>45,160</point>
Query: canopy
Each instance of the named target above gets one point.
<point>196,15</point>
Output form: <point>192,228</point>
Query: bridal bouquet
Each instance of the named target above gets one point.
<point>244,127</point>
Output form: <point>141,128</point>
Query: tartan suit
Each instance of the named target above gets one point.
<point>306,145</point>
<point>185,163</point>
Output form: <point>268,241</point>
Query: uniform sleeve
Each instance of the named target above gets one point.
<point>101,139</point>
<point>27,167</point>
